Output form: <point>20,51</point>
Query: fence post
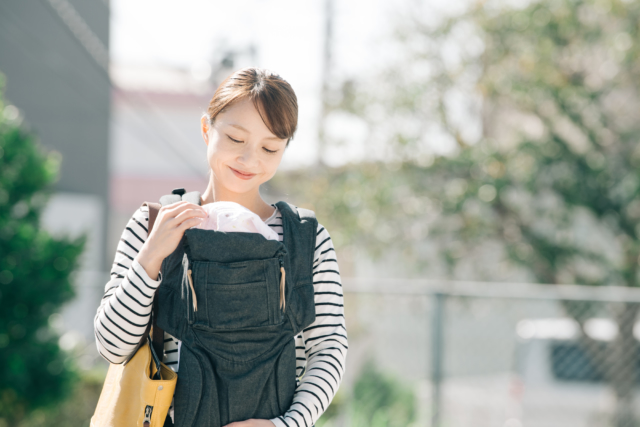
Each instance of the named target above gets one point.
<point>437,341</point>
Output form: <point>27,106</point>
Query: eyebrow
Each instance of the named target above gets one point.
<point>243,129</point>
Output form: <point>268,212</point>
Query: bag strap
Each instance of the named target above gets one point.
<point>157,332</point>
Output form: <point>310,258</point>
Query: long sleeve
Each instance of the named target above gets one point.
<point>126,306</point>
<point>325,341</point>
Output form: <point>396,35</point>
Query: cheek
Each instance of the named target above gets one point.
<point>271,165</point>
<point>211,155</point>
<point>216,152</point>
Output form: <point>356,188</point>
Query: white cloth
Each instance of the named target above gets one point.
<point>233,217</point>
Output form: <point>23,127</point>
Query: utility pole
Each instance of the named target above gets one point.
<point>437,353</point>
<point>326,75</point>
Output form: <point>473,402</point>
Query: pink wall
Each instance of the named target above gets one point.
<point>128,192</point>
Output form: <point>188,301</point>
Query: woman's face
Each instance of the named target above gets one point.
<point>241,150</point>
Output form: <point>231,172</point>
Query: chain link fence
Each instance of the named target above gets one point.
<point>502,355</point>
<point>475,354</point>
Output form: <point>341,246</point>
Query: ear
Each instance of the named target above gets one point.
<point>204,128</point>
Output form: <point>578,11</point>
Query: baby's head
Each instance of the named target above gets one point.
<point>232,217</point>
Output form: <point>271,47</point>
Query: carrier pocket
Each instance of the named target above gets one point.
<point>238,306</point>
<point>237,295</point>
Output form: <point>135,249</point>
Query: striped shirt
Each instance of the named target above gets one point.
<point>321,348</point>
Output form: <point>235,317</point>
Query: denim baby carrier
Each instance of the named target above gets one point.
<point>236,300</point>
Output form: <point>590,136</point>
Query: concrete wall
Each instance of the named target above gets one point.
<point>63,94</point>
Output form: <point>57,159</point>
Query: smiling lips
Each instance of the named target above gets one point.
<point>242,175</point>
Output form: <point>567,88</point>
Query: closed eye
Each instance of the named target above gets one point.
<point>265,149</point>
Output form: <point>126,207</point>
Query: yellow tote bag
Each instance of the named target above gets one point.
<point>133,394</point>
<point>129,394</point>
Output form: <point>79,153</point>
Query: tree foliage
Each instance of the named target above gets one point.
<point>378,399</point>
<point>507,139</point>
<point>35,273</point>
<point>506,131</point>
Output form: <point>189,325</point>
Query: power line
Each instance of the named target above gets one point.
<point>65,78</point>
<point>21,34</point>
<point>81,31</point>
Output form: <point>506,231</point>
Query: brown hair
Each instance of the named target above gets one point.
<point>272,96</point>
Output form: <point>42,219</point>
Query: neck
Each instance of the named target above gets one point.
<point>251,200</point>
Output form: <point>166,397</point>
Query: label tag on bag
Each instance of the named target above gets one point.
<point>147,416</point>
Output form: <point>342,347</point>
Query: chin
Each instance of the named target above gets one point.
<point>241,189</point>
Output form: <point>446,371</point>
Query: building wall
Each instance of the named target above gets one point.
<point>64,97</point>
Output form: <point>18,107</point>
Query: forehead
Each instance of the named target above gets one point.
<point>244,116</point>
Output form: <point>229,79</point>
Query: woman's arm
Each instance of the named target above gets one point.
<point>325,341</point>
<point>125,309</point>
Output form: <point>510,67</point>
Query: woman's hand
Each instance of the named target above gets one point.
<point>251,423</point>
<point>170,225</point>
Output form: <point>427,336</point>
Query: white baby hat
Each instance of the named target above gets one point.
<point>233,217</point>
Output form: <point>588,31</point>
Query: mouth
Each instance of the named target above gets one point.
<point>242,175</point>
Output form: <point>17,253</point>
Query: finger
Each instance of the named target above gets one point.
<point>190,207</point>
<point>191,222</point>
<point>171,211</point>
<point>181,211</point>
<point>175,209</point>
<point>191,213</point>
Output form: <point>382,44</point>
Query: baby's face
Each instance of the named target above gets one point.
<point>241,150</point>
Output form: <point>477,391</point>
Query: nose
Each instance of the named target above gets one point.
<point>248,157</point>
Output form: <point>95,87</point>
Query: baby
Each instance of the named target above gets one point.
<point>229,217</point>
<point>233,217</point>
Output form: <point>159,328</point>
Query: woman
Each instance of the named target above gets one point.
<point>249,123</point>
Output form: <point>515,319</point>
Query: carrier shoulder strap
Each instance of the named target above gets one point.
<point>180,194</point>
<point>301,213</point>
<point>177,195</point>
<point>300,229</point>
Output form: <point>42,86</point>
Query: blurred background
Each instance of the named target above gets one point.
<point>476,163</point>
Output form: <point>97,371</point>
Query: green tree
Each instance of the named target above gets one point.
<point>378,399</point>
<point>515,127</point>
<point>35,273</point>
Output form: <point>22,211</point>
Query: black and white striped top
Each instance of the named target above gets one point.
<point>321,348</point>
